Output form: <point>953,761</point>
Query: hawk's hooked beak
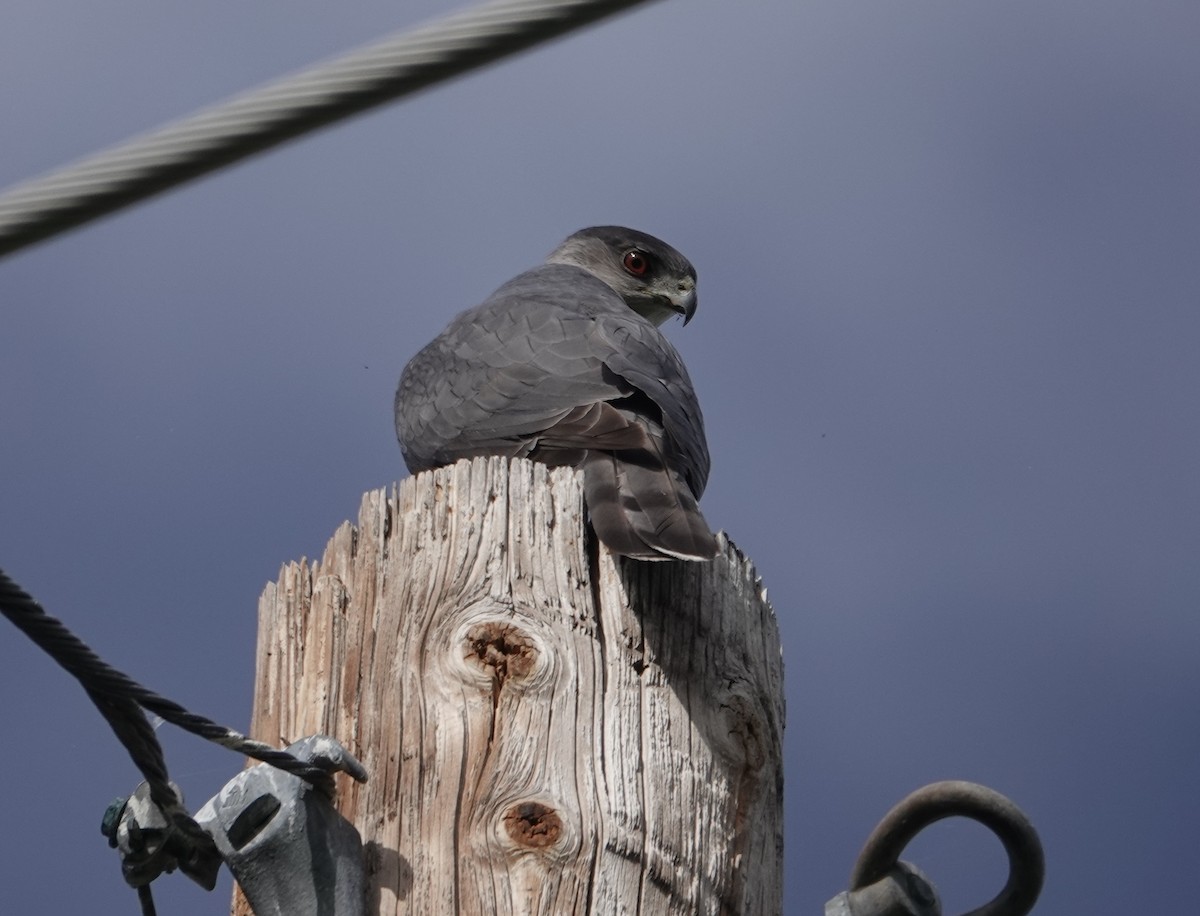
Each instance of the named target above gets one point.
<point>684,301</point>
<point>663,301</point>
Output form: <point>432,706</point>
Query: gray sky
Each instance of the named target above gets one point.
<point>949,260</point>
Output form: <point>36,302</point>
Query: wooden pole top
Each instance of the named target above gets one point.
<point>548,729</point>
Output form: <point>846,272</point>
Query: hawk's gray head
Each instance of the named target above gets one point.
<point>654,279</point>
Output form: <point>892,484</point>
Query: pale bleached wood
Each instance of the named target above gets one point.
<point>547,730</point>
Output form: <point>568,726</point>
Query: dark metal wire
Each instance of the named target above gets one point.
<point>286,108</point>
<point>118,697</point>
<point>146,900</point>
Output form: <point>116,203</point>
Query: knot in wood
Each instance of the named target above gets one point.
<point>503,649</point>
<point>532,824</point>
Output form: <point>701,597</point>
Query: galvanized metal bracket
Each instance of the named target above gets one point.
<point>290,850</point>
<point>154,839</point>
<point>882,885</point>
<point>288,847</point>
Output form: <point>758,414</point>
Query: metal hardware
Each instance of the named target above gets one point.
<point>882,885</point>
<point>152,840</point>
<point>290,850</point>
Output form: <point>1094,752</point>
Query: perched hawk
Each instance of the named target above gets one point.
<point>565,364</point>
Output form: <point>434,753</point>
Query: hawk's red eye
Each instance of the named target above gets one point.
<point>636,262</point>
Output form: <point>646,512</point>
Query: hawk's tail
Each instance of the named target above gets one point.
<point>642,509</point>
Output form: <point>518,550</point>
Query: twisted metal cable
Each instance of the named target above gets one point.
<point>286,108</point>
<point>118,697</point>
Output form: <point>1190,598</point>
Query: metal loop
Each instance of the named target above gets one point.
<point>954,798</point>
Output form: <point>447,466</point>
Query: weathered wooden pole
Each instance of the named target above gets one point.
<point>548,730</point>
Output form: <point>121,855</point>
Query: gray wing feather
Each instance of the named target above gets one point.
<point>645,359</point>
<point>509,369</point>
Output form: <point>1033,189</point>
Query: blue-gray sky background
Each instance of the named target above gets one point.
<point>947,348</point>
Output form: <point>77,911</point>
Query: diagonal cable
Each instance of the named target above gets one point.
<point>267,116</point>
<point>119,697</point>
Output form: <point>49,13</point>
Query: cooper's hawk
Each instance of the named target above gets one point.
<point>565,364</point>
